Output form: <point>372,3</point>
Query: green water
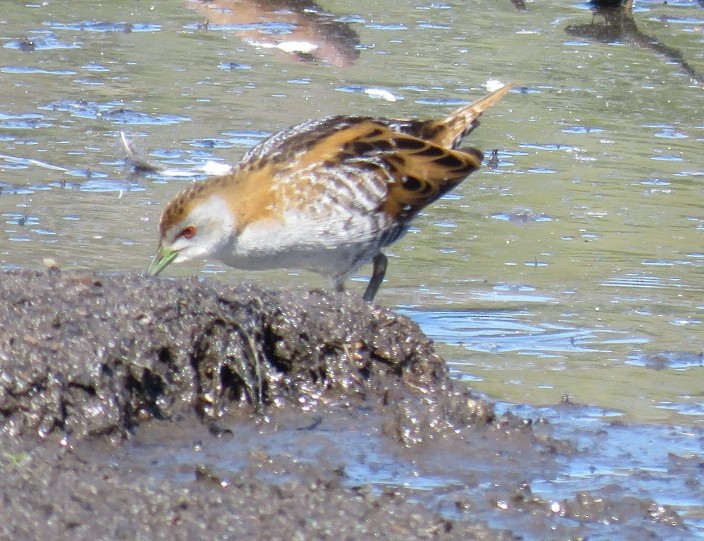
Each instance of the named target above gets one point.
<point>574,268</point>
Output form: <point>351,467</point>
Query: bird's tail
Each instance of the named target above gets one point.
<point>462,121</point>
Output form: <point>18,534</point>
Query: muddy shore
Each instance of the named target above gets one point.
<point>183,409</point>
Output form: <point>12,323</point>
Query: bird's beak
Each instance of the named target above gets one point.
<point>163,258</point>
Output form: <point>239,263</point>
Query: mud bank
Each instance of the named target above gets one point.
<point>94,355</point>
<point>181,409</point>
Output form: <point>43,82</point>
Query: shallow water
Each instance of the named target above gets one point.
<point>572,269</point>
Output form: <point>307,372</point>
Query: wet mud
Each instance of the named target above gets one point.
<point>183,409</point>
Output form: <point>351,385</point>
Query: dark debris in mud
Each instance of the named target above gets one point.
<point>83,354</point>
<point>182,409</point>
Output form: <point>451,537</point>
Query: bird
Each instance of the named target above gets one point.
<point>326,195</point>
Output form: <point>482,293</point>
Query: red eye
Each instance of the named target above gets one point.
<point>188,232</point>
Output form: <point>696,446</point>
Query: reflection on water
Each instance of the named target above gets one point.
<point>679,360</point>
<point>298,29</point>
<point>613,22</point>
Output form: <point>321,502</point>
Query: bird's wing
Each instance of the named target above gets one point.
<point>363,163</point>
<point>340,181</point>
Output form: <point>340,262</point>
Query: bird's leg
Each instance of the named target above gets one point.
<point>378,272</point>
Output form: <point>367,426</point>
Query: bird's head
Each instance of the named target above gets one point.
<point>198,222</point>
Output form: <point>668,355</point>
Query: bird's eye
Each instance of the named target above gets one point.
<point>188,232</point>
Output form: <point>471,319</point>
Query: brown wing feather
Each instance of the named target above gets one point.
<point>413,172</point>
<point>424,174</point>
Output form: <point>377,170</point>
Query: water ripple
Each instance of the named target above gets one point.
<point>22,70</point>
<point>504,330</point>
<point>104,26</point>
<point>112,111</point>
